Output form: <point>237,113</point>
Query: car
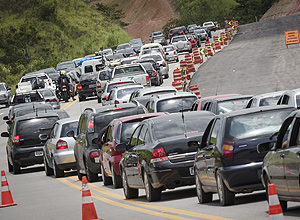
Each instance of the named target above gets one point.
<point>136,44</point>
<point>155,75</point>
<point>193,41</point>
<point>128,60</point>
<point>172,102</point>
<point>87,86</point>
<point>290,97</point>
<point>102,78</point>
<point>25,97</point>
<point>118,131</point>
<point>58,150</point>
<point>208,31</point>
<point>24,146</point>
<point>121,94</point>
<point>66,65</point>
<point>171,53</point>
<point>152,51</point>
<point>265,99</point>
<point>62,113</point>
<point>227,161</point>
<point>190,27</point>
<point>155,34</point>
<point>158,157</point>
<point>92,124</point>
<point>201,34</point>
<point>114,59</point>
<point>151,46</point>
<point>227,104</point>
<point>199,103</point>
<point>148,60</point>
<point>175,32</point>
<point>181,43</point>
<point>159,39</point>
<point>164,66</point>
<point>125,49</point>
<point>105,52</point>
<point>92,66</point>
<point>109,85</point>
<point>49,97</point>
<point>210,25</point>
<point>5,94</point>
<point>281,162</point>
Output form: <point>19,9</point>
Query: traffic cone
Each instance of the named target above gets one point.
<point>88,208</point>
<point>6,196</point>
<point>275,211</point>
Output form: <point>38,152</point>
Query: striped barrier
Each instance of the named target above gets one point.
<point>275,211</point>
<point>178,85</point>
<point>195,89</point>
<point>6,197</point>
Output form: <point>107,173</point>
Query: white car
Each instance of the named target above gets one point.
<point>210,25</point>
<point>122,94</point>
<point>181,43</point>
<point>102,78</point>
<point>171,53</point>
<point>163,64</point>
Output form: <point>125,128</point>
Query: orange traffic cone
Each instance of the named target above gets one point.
<point>88,208</point>
<point>6,196</point>
<point>275,211</point>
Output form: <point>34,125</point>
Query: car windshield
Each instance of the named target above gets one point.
<point>126,92</point>
<point>177,39</point>
<point>173,105</point>
<point>65,65</point>
<point>89,76</point>
<point>232,105</point>
<point>71,126</point>
<point>126,131</point>
<point>155,57</point>
<point>127,70</point>
<point>167,49</point>
<point>46,92</point>
<point>123,46</point>
<point>27,98</point>
<point>2,87</point>
<point>176,31</point>
<point>255,125</point>
<point>269,101</point>
<point>148,66</point>
<point>175,127</point>
<point>53,76</point>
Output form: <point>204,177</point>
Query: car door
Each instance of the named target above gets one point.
<point>128,159</point>
<point>106,149</point>
<point>50,145</point>
<point>80,142</point>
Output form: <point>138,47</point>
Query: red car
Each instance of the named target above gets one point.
<point>192,40</point>
<point>118,131</point>
<point>174,32</point>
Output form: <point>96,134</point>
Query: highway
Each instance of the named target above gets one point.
<point>48,198</point>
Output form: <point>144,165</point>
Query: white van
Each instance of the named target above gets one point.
<point>92,66</point>
<point>151,45</point>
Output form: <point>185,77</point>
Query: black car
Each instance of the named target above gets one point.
<point>91,125</point>
<point>281,164</point>
<point>227,161</point>
<point>155,76</point>
<point>158,156</point>
<point>87,86</point>
<point>24,146</point>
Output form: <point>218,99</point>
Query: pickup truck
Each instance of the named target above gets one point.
<point>132,71</point>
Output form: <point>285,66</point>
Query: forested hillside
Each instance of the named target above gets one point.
<point>37,34</point>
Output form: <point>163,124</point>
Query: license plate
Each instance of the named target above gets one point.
<point>191,171</point>
<point>92,86</point>
<point>96,159</point>
<point>38,153</point>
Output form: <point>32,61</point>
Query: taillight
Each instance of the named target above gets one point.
<point>98,85</point>
<point>61,145</point>
<point>94,154</point>
<point>16,140</point>
<point>116,102</point>
<point>116,109</point>
<point>174,52</point>
<point>91,126</point>
<point>106,97</point>
<point>227,150</point>
<point>148,80</point>
<point>158,155</point>
<point>53,100</point>
<point>153,73</point>
<point>164,63</point>
<point>79,86</point>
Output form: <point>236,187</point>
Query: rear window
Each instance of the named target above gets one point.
<point>27,98</point>
<point>159,92</point>
<point>127,70</point>
<point>233,105</point>
<point>175,104</point>
<point>167,49</point>
<point>125,93</point>
<point>72,126</point>
<point>255,125</point>
<point>111,86</point>
<point>269,101</point>
<point>155,57</point>
<point>105,75</point>
<point>126,131</point>
<point>177,39</point>
<point>175,127</point>
<point>92,76</point>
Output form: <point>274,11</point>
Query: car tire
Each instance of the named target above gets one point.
<point>16,168</point>
<point>203,197</point>
<point>48,170</point>
<point>57,172</point>
<point>226,197</point>
<point>152,194</point>
<point>99,100</point>
<point>91,177</point>
<point>129,193</point>
<point>105,179</point>
<point>10,167</point>
<point>80,175</point>
<point>116,179</point>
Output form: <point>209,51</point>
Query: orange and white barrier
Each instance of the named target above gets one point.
<point>217,45</point>
<point>275,211</point>
<point>177,75</point>
<point>6,197</point>
<point>197,57</point>
<point>182,63</point>
<point>195,89</point>
<point>88,208</point>
<point>178,85</point>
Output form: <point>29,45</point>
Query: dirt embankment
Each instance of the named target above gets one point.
<point>145,16</point>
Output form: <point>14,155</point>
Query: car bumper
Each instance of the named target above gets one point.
<point>243,178</point>
<point>28,156</point>
<point>87,92</point>
<point>64,157</point>
<point>3,100</point>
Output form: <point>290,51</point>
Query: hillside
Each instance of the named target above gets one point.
<point>282,8</point>
<point>145,16</point>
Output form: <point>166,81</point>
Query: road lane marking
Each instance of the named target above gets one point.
<point>177,211</point>
<point>69,104</point>
<point>123,205</point>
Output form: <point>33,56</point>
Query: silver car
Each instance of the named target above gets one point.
<point>49,97</point>
<point>171,53</point>
<point>158,57</point>
<point>5,94</point>
<point>181,43</point>
<point>59,148</point>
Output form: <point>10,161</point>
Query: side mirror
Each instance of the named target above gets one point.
<point>273,135</point>
<point>9,122</point>
<point>43,137</point>
<point>5,118</point>
<point>71,133</point>
<point>16,86</point>
<point>264,147</point>
<point>194,144</point>
<point>8,88</point>
<point>121,147</point>
<point>4,134</point>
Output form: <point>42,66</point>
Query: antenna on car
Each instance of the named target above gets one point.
<point>217,91</point>
<point>182,116</point>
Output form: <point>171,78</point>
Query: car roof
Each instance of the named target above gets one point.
<point>140,116</point>
<point>270,94</point>
<point>172,95</point>
<point>233,98</point>
<point>128,86</point>
<point>37,114</point>
<point>156,88</point>
<point>127,65</point>
<point>218,96</point>
<point>109,108</point>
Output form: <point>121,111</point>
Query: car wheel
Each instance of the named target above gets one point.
<point>151,193</point>
<point>10,167</point>
<point>91,177</point>
<point>57,172</point>
<point>105,179</point>
<point>203,197</point>
<point>16,168</point>
<point>48,170</point>
<point>99,100</point>
<point>129,193</point>
<point>226,197</point>
<point>116,179</point>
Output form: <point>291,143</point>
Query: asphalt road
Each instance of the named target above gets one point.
<point>42,197</point>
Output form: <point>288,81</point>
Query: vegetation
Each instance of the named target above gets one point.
<point>37,34</point>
